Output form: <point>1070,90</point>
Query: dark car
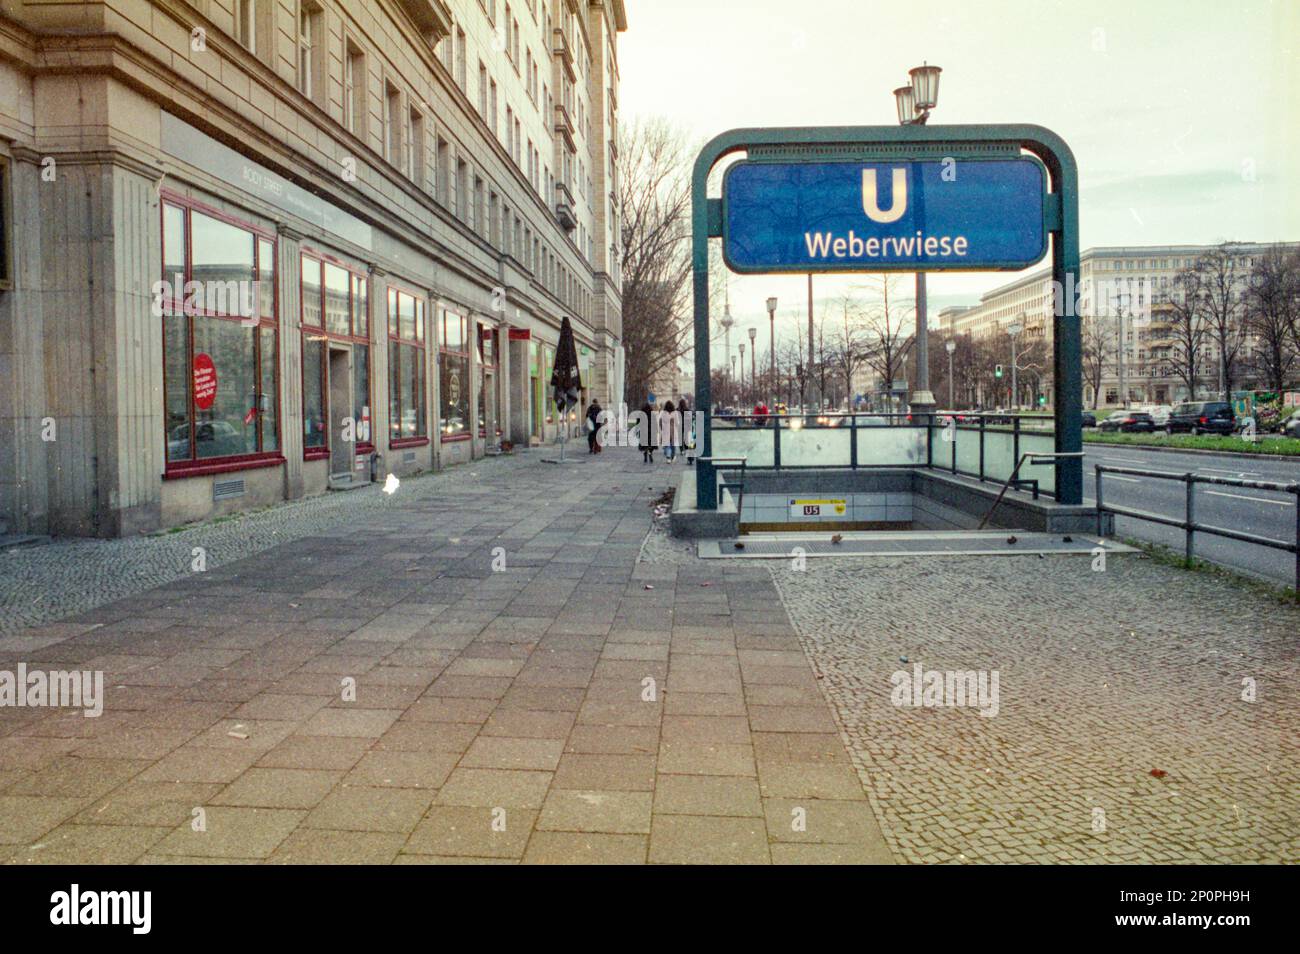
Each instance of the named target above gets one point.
<point>1089,419</point>
<point>1202,417</point>
<point>1291,427</point>
<point>1130,422</point>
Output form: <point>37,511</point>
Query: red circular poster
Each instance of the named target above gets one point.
<point>205,382</point>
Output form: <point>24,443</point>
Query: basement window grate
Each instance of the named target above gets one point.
<point>408,457</point>
<point>225,489</point>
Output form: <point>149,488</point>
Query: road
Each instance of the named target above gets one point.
<point>1261,512</point>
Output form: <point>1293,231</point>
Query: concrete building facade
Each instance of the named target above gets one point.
<point>1132,283</point>
<point>256,249</point>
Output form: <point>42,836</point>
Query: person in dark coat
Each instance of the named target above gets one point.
<point>593,426</point>
<point>668,431</point>
<point>647,448</point>
<point>684,413</point>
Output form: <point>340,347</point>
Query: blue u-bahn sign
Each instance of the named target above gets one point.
<point>939,214</point>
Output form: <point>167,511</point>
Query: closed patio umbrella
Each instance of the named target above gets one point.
<point>566,381</point>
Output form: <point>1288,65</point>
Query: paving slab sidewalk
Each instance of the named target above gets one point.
<point>478,669</point>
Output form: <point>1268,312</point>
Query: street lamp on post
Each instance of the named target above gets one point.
<point>1014,329</point>
<point>914,103</point>
<point>771,321</point>
<point>741,348</point>
<point>1119,352</point>
<point>753,354</point>
<point>951,346</point>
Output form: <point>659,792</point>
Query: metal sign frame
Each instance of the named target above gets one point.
<point>883,143</point>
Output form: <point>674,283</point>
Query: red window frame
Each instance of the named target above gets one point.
<point>392,307</point>
<point>202,466</point>
<point>321,259</point>
<point>463,352</point>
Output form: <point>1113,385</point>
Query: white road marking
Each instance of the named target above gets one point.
<point>1131,480</point>
<point>1234,473</point>
<point>1279,503</point>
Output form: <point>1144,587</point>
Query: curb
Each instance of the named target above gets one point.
<point>1245,455</point>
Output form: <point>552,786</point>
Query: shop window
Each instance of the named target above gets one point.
<point>218,307</point>
<point>406,363</point>
<point>334,312</point>
<point>453,378</point>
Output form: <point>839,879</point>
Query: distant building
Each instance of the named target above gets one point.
<point>1132,281</point>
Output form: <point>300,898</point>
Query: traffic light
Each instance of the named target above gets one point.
<point>997,371</point>
<point>1042,400</point>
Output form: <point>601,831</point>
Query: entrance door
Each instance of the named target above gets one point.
<point>340,391</point>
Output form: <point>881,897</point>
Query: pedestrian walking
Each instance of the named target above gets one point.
<point>669,431</point>
<point>687,435</point>
<point>643,433</point>
<point>593,426</point>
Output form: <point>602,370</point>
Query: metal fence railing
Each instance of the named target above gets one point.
<point>1189,525</point>
<point>986,446</point>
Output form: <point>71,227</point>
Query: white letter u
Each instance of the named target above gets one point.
<point>870,203</point>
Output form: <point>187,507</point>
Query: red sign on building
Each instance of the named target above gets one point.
<point>520,334</point>
<point>205,382</point>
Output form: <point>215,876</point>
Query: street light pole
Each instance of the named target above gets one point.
<point>741,348</point>
<point>753,354</point>
<point>1123,385</point>
<point>914,103</point>
<point>810,335</point>
<point>1014,329</point>
<point>771,322</point>
<point>951,346</point>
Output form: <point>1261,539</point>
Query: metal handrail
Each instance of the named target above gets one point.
<point>1188,524</point>
<point>726,485</point>
<point>1033,459</point>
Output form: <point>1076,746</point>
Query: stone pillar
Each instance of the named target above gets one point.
<point>520,405</point>
<point>504,396</point>
<point>103,369</point>
<point>288,268</point>
<point>24,493</point>
<point>377,299</point>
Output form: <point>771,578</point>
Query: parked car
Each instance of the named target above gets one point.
<point>1201,417</point>
<point>1159,413</point>
<point>1129,422</point>
<point>1089,419</point>
<point>1292,427</point>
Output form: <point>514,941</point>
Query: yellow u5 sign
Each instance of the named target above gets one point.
<point>816,508</point>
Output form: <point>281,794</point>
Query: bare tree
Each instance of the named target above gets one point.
<point>1272,310</point>
<point>790,358</point>
<point>654,203</point>
<point>1099,340</point>
<point>888,330</point>
<point>849,343</point>
<point>1185,306</point>
<point>1221,277</point>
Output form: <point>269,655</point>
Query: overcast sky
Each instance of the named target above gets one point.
<point>1182,114</point>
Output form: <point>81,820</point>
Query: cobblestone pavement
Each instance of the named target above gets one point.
<point>525,689</point>
<point>1119,691</point>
